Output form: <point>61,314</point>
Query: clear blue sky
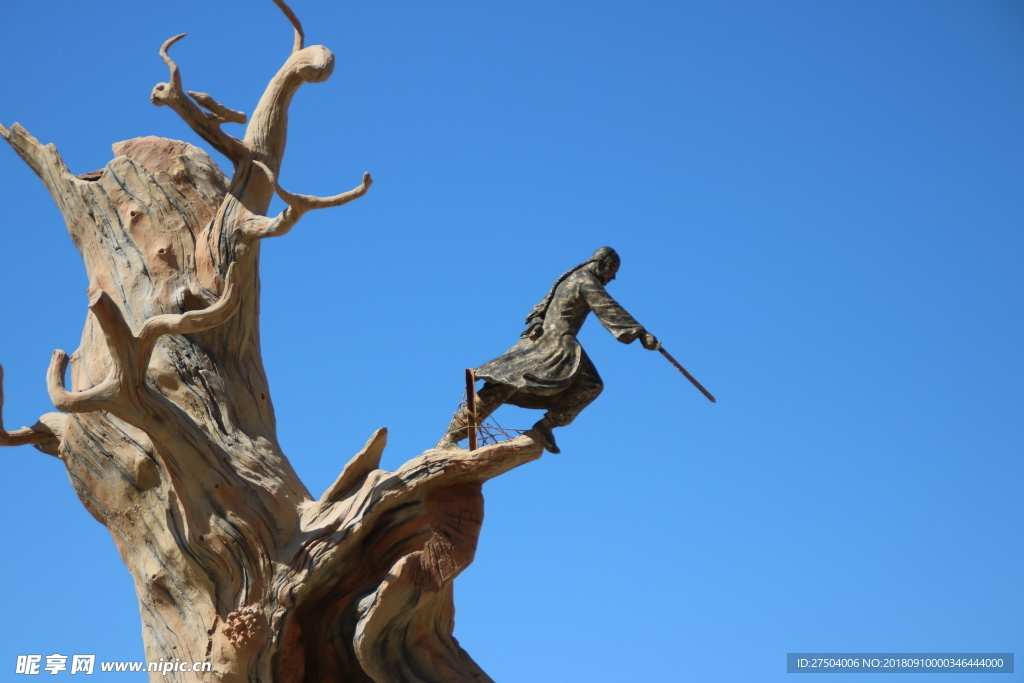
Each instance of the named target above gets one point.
<point>819,208</point>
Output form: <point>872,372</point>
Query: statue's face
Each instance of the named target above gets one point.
<point>610,267</point>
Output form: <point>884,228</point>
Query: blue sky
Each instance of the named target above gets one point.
<point>819,208</point>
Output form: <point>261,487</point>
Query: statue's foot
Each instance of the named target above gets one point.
<point>547,438</point>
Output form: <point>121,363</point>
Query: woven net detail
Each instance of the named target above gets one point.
<point>490,432</point>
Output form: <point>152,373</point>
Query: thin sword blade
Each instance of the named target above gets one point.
<point>688,376</point>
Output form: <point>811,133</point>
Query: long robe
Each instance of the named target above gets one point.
<point>549,364</point>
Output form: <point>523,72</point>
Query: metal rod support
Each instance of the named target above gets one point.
<point>471,407</point>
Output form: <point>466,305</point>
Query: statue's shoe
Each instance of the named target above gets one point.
<point>547,439</point>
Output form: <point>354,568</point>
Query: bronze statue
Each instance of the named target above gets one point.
<point>548,368</point>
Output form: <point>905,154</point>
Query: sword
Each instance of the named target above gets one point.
<point>688,376</point>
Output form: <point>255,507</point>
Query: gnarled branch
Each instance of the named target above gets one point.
<point>350,510</point>
<point>266,134</point>
<point>267,131</point>
<point>45,160</point>
<point>420,524</point>
<point>357,469</point>
<point>350,480</point>
<point>217,109</point>
<point>299,204</point>
<point>103,396</point>
<point>300,36</point>
<point>44,435</point>
<point>306,202</point>
<point>191,321</point>
<point>124,387</point>
<point>232,558</point>
<point>207,125</point>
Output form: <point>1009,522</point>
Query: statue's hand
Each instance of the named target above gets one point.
<point>649,341</point>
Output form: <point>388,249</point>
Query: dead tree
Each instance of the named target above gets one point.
<point>168,431</point>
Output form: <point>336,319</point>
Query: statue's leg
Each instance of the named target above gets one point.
<point>570,402</point>
<point>488,399</point>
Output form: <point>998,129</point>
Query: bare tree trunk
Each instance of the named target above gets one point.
<point>169,435</point>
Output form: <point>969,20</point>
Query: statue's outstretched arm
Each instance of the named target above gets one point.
<point>614,317</point>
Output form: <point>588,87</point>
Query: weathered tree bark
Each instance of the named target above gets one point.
<point>169,437</point>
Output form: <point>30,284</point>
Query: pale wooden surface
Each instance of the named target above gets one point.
<point>169,438</point>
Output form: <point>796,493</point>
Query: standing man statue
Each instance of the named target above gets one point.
<point>548,368</point>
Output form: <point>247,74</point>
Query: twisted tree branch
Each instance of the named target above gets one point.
<point>233,560</point>
<point>420,524</point>
<point>298,205</point>
<point>191,322</point>
<point>103,396</point>
<point>300,37</point>
<point>348,513</point>
<point>124,389</point>
<point>45,434</point>
<point>219,110</point>
<point>267,132</point>
<point>207,125</point>
<point>352,477</point>
<point>46,161</point>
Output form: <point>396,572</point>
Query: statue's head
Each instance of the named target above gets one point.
<point>606,264</point>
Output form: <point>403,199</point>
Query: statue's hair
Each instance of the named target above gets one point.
<point>541,309</point>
